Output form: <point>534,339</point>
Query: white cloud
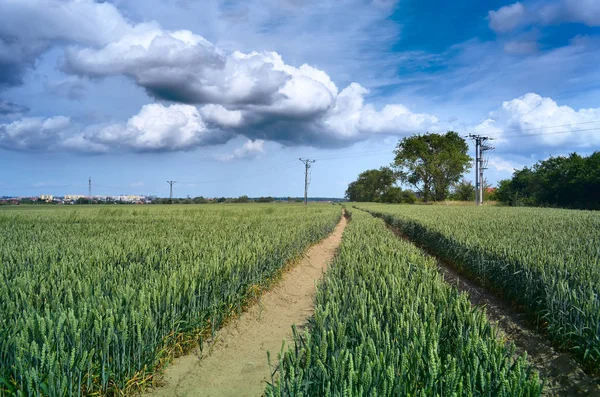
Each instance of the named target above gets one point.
<point>507,18</point>
<point>586,11</point>
<point>154,128</point>
<point>253,93</point>
<point>217,114</point>
<point>257,94</point>
<point>580,11</point>
<point>350,117</point>
<point>33,133</point>
<point>184,127</point>
<point>503,165</point>
<point>250,149</point>
<point>29,27</point>
<point>534,121</point>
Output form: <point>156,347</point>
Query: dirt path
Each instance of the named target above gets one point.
<point>236,363</point>
<point>562,374</point>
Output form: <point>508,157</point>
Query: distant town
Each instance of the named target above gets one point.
<point>150,199</point>
<point>76,199</point>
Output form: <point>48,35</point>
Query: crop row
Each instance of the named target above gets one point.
<point>92,301</point>
<point>386,324</point>
<point>545,260</point>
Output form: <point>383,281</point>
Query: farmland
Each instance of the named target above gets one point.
<point>547,261</point>
<point>94,299</point>
<point>387,324</point>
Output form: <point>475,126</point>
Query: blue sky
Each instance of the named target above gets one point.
<point>225,96</point>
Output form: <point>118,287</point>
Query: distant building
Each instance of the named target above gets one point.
<point>129,198</point>
<point>46,197</point>
<point>69,197</point>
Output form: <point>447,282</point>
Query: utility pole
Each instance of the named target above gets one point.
<point>480,164</point>
<point>307,163</point>
<point>90,189</point>
<point>171,183</point>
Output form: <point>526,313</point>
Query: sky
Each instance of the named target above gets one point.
<point>225,96</point>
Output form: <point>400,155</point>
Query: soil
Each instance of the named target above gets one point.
<point>234,362</point>
<point>562,375</point>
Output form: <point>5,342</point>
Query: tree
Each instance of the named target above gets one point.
<point>371,185</point>
<point>431,163</point>
<point>242,199</point>
<point>464,191</point>
<point>396,195</point>
<point>267,199</point>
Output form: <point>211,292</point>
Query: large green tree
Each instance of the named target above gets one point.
<point>371,185</point>
<point>431,163</point>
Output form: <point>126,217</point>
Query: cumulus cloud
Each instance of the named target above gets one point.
<point>33,133</point>
<point>535,121</point>
<point>155,128</point>
<point>507,18</point>
<point>7,107</point>
<point>184,67</point>
<point>350,117</point>
<point>256,94</point>
<point>252,94</point>
<point>220,116</point>
<point>250,149</point>
<point>29,27</point>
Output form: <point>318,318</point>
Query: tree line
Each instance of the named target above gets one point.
<point>568,182</point>
<point>433,165</point>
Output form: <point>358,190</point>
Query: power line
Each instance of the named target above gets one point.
<point>500,134</point>
<point>253,174</point>
<point>171,183</point>
<point>307,165</point>
<point>545,127</point>
<point>46,187</point>
<point>548,133</point>
<point>347,155</point>
<point>480,164</point>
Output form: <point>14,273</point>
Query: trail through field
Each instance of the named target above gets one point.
<point>562,374</point>
<point>235,361</point>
